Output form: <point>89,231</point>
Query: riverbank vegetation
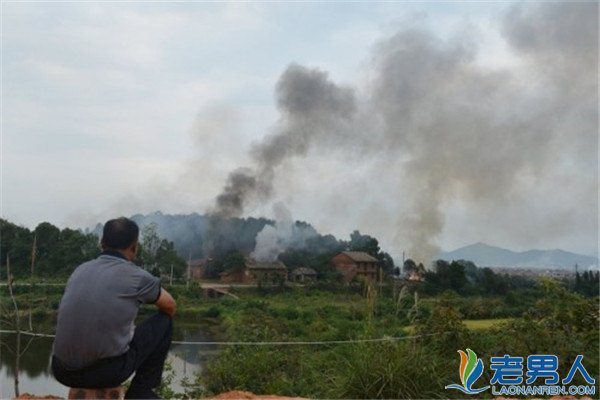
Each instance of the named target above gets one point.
<point>418,361</point>
<point>419,364</point>
<point>392,339</point>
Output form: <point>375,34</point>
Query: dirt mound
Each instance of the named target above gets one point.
<point>241,395</point>
<point>233,395</point>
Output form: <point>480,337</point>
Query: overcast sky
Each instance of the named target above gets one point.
<point>121,108</point>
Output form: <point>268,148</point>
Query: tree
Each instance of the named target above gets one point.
<point>159,255</point>
<point>232,261</point>
<point>149,244</point>
<point>409,266</point>
<point>386,262</point>
<point>16,242</point>
<point>366,243</point>
<point>48,238</point>
<point>167,259</point>
<point>74,248</point>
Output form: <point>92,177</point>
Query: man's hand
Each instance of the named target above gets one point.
<point>165,303</point>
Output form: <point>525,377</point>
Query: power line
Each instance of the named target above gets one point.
<point>274,343</point>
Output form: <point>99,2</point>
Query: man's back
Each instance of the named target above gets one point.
<point>97,311</point>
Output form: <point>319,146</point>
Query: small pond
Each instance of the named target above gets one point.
<point>35,376</point>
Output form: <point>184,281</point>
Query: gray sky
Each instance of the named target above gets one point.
<point>122,108</point>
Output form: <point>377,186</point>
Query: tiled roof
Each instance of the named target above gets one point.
<point>304,271</point>
<point>253,264</point>
<point>359,256</point>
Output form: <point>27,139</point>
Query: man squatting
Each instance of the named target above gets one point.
<point>97,344</point>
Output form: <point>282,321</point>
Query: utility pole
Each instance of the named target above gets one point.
<point>171,278</point>
<point>33,254</point>
<point>17,325</point>
<point>189,266</point>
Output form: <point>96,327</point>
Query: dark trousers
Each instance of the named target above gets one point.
<point>146,357</point>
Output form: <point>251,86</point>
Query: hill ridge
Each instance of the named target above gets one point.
<point>487,255</point>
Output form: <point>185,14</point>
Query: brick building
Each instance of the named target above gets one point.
<point>356,263</point>
<point>252,271</point>
<point>197,268</point>
<point>303,275</point>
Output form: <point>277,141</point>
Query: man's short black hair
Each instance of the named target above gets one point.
<point>120,233</point>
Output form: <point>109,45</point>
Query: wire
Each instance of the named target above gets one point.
<point>27,333</point>
<point>310,343</point>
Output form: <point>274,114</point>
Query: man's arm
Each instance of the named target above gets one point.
<point>166,303</point>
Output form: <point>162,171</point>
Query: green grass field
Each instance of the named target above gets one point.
<point>478,324</point>
<point>473,324</point>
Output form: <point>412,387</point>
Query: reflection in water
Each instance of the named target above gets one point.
<point>36,378</point>
<point>32,364</point>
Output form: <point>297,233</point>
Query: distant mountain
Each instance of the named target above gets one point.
<point>484,255</point>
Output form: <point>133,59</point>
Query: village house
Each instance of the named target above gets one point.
<point>356,263</point>
<point>237,275</point>
<point>253,271</point>
<point>197,268</point>
<point>268,272</point>
<point>303,275</point>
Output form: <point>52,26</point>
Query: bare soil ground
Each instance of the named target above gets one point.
<point>241,395</point>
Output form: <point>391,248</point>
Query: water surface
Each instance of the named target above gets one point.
<point>34,364</point>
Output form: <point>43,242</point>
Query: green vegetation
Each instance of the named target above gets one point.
<point>431,329</point>
<point>557,322</point>
<point>51,254</point>
<point>466,279</point>
<point>455,306</point>
<point>477,324</point>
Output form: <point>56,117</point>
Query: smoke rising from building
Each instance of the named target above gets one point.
<point>273,240</point>
<point>311,108</point>
<point>465,130</point>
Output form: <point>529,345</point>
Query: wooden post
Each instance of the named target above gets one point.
<point>189,266</point>
<point>33,254</point>
<point>17,325</point>
<point>171,278</point>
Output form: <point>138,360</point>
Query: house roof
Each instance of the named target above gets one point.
<point>199,262</point>
<point>253,264</point>
<point>304,271</point>
<point>360,256</point>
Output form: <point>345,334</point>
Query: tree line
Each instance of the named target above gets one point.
<point>466,279</point>
<point>48,251</point>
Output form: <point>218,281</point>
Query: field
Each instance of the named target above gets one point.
<point>416,359</point>
<point>477,324</point>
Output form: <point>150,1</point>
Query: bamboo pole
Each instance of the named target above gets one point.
<point>17,325</point>
<point>33,254</point>
<point>189,267</point>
